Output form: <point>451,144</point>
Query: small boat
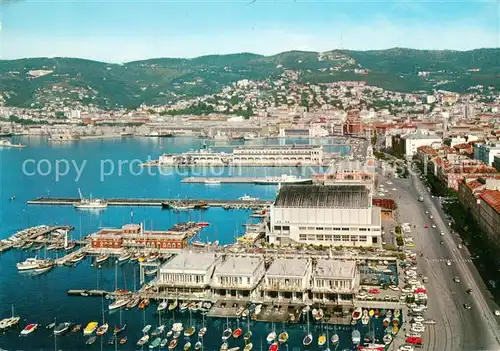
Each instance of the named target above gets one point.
<point>119,329</point>
<point>173,305</point>
<point>162,306</point>
<point>248,347</point>
<point>224,346</point>
<point>143,340</point>
<point>177,327</point>
<point>177,335</point>
<point>397,313</point>
<point>356,314</point>
<point>151,272</point>
<point>237,333</point>
<point>202,332</point>
<point>236,348</point>
<point>133,303</point>
<point>103,329</point>
<point>155,343</point>
<point>134,257</point>
<point>61,328</point>
<point>307,339</point>
<point>101,258</point>
<point>76,328</point>
<point>245,313</point>
<point>356,337</point>
<point>371,313</point>
<point>159,330</point>
<point>169,333</point>
<point>124,257</point>
<point>164,342</point>
<point>387,339</point>
<point>144,304</point>
<point>184,306</point>
<point>44,267</point>
<point>226,334</point>
<point>91,340</point>
<point>78,257</point>
<point>322,340</point>
<point>335,339</point>
<point>198,345</point>
<point>240,311</point>
<point>70,246</point>
<point>365,320</point>
<point>146,329</point>
<point>112,340</point>
<point>274,346</point>
<point>189,331</point>
<point>283,337</point>
<point>123,340</point>
<point>271,337</point>
<point>386,321</point>
<point>173,344</point>
<point>30,328</point>
<point>187,346</point>
<point>118,304</point>
<point>50,326</point>
<point>319,315</point>
<point>247,336</point>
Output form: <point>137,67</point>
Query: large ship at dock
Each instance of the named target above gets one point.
<point>90,203</point>
<point>283,179</point>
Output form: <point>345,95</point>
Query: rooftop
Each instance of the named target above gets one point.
<point>295,267</point>
<point>335,269</point>
<point>241,266</point>
<point>420,135</point>
<point>190,261</point>
<point>280,147</point>
<point>323,196</point>
<point>492,198</point>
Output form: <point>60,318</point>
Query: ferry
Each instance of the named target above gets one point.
<point>30,328</point>
<point>90,328</point>
<point>283,179</point>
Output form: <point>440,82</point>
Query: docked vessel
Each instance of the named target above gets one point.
<point>143,340</point>
<point>124,257</point>
<point>356,337</point>
<point>91,340</point>
<point>248,198</point>
<point>118,304</point>
<point>90,328</point>
<point>101,258</point>
<point>78,257</point>
<point>283,179</point>
<point>144,304</point>
<point>61,328</point>
<point>162,306</point>
<point>119,329</point>
<point>44,267</point>
<point>189,331</point>
<point>212,182</point>
<point>155,343</point>
<point>356,314</point>
<point>226,334</point>
<point>30,264</point>
<point>30,328</point>
<point>90,203</point>
<point>133,303</point>
<point>103,329</point>
<point>173,344</point>
<point>237,333</point>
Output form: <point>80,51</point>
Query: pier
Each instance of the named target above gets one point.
<point>70,201</point>
<point>241,180</point>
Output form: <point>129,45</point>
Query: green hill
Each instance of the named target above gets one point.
<point>159,81</point>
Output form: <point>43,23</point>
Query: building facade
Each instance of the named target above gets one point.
<point>486,152</point>
<point>329,215</point>
<point>287,279</point>
<point>334,280</point>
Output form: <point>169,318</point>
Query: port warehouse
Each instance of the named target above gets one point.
<point>212,275</point>
<point>250,155</point>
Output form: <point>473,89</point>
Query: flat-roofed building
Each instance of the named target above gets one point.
<point>287,279</point>
<point>334,280</point>
<point>325,215</point>
<point>188,273</point>
<point>237,277</point>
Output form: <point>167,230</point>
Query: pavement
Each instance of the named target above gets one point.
<point>456,328</point>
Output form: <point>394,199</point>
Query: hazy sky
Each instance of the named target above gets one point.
<point>120,31</point>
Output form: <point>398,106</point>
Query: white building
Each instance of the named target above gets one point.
<point>325,215</point>
<point>237,277</point>
<point>188,273</point>
<point>412,141</point>
<point>486,152</point>
<point>287,279</point>
<point>334,280</point>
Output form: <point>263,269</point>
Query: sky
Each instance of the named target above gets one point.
<point>126,30</point>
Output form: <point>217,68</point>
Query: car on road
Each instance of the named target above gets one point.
<point>460,246</point>
<point>426,226</point>
<point>426,212</point>
<point>448,263</point>
<point>456,280</point>
<point>433,226</point>
<point>497,312</point>
<point>421,199</point>
<point>467,306</point>
<point>469,291</point>
<point>442,233</point>
<point>431,216</point>
<point>441,242</point>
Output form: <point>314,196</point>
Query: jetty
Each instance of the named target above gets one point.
<point>243,180</point>
<point>69,201</point>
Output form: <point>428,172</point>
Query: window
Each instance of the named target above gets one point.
<point>362,238</point>
<point>345,228</point>
<point>277,227</point>
<point>345,237</point>
<point>328,237</point>
<point>286,227</point>
<point>336,228</point>
<point>319,228</point>
<point>319,237</point>
<point>362,229</point>
<point>336,238</point>
<point>354,238</point>
<point>302,237</point>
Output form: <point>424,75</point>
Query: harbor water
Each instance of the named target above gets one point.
<point>43,298</point>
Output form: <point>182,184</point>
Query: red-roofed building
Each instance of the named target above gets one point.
<point>452,175</point>
<point>489,211</point>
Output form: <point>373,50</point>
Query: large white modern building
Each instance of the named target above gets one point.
<point>412,141</point>
<point>325,215</point>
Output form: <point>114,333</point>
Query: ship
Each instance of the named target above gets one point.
<point>90,203</point>
<point>283,179</point>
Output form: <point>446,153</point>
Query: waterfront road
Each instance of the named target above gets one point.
<point>457,328</point>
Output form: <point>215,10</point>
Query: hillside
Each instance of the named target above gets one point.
<point>37,81</point>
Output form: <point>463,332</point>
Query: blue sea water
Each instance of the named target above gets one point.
<point>43,298</point>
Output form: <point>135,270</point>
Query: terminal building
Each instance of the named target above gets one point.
<point>328,215</point>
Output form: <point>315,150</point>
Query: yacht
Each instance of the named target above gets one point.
<point>101,258</point>
<point>124,256</point>
<point>88,204</point>
<point>248,198</point>
<point>30,328</point>
<point>118,304</point>
<point>283,179</point>
<point>29,264</point>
